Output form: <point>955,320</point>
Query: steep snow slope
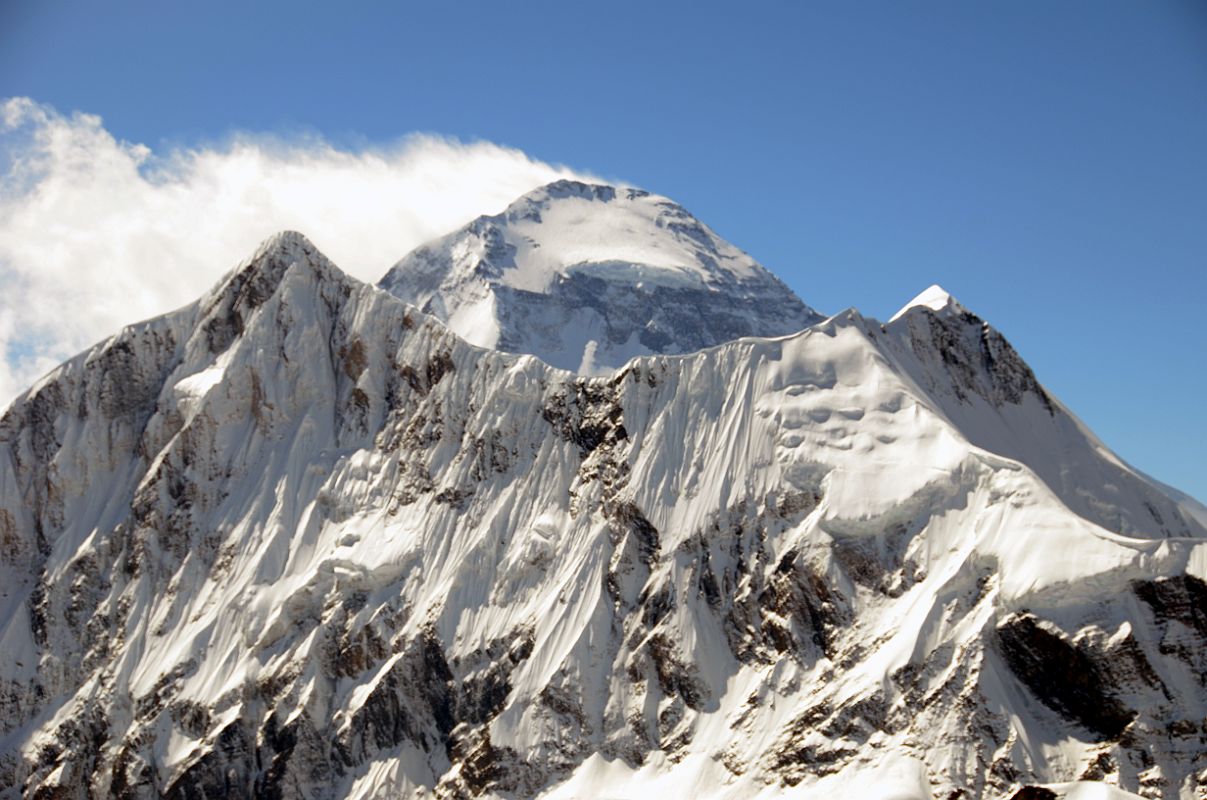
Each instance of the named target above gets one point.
<point>588,276</point>
<point>299,540</point>
<point>997,404</point>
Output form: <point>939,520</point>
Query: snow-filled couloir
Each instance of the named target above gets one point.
<point>587,276</point>
<point>299,539</point>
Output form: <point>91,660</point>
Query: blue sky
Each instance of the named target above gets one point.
<point>1045,162</point>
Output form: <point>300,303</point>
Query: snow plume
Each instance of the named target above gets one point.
<point>96,232</point>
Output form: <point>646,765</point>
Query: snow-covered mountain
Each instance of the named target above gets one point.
<point>588,276</point>
<point>299,539</point>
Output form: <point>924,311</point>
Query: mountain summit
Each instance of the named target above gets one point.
<point>587,276</point>
<point>934,297</point>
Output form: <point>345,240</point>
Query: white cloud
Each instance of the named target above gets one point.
<point>96,233</point>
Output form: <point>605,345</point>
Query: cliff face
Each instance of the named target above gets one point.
<point>300,540</point>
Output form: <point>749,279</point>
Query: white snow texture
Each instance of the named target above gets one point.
<point>302,539</point>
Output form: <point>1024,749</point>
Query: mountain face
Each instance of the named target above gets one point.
<point>301,540</point>
<point>586,277</point>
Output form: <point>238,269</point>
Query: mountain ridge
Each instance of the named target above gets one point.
<point>299,539</point>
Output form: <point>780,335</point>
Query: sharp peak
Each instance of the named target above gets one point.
<point>287,248</point>
<point>285,252</point>
<point>278,255</point>
<point>933,297</point>
<point>286,241</point>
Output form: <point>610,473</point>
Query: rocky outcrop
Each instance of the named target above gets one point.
<point>1068,679</point>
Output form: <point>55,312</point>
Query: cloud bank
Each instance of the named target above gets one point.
<point>96,233</point>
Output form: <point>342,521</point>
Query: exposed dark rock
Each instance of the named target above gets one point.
<point>358,650</point>
<point>804,608</point>
<point>969,349</point>
<point>192,718</point>
<point>129,373</point>
<point>425,378</point>
<point>1034,793</point>
<point>877,561</point>
<point>1179,608</point>
<point>163,690</point>
<point>132,776</point>
<point>854,721</point>
<point>563,702</point>
<point>676,677</point>
<point>293,759</point>
<point>222,329</point>
<point>589,417</point>
<point>491,455</point>
<point>483,691</point>
<point>1099,768</point>
<point>413,701</point>
<point>1067,679</point>
<point>1126,667</point>
<point>225,771</point>
<point>656,604</point>
<point>454,497</point>
<point>489,767</point>
<point>793,504</point>
<point>64,767</point>
<point>635,543</point>
<point>857,720</point>
<point>628,520</point>
<point>354,358</point>
<point>796,762</point>
<point>413,482</point>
